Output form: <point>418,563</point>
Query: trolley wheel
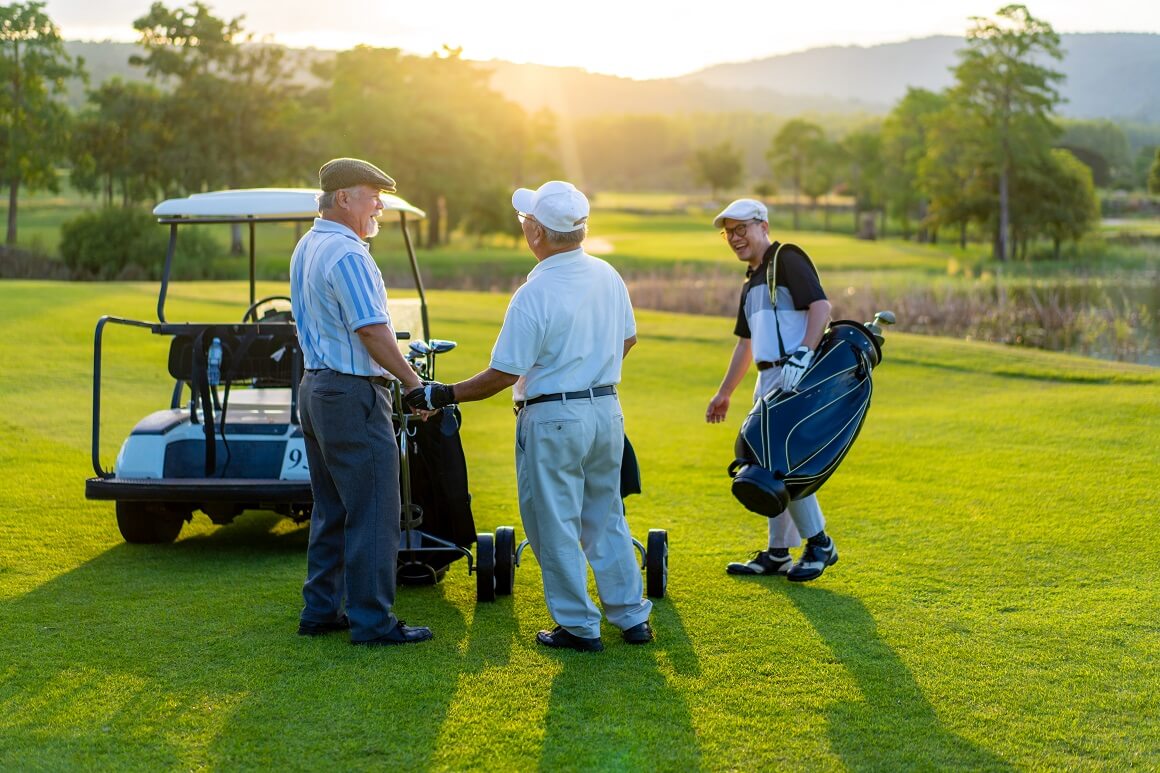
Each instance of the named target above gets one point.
<point>484,567</point>
<point>505,560</point>
<point>149,523</point>
<point>657,563</point>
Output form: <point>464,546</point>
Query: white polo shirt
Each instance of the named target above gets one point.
<point>565,328</point>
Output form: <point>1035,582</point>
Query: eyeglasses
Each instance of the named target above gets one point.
<point>524,216</point>
<point>737,230</point>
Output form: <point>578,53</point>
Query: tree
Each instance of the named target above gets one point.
<point>955,176</point>
<point>905,142</point>
<point>862,151</point>
<point>34,68</point>
<point>792,154</point>
<point>1154,175</point>
<point>1002,84</point>
<point>446,135</point>
<point>821,172</point>
<point>1103,146</point>
<point>718,166</point>
<point>232,113</point>
<point>118,142</point>
<point>1066,206</point>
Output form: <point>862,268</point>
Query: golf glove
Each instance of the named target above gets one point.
<point>430,397</point>
<point>795,367</point>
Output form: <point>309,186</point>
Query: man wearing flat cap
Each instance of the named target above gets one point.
<point>780,322</point>
<point>564,337</point>
<point>350,353</point>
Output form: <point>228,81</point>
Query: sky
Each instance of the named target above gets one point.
<point>645,39</point>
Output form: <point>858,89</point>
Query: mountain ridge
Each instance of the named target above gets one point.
<point>1108,75</point>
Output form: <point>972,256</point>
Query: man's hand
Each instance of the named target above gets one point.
<point>430,397</point>
<point>795,368</point>
<point>718,407</point>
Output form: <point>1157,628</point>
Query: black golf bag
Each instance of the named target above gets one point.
<point>791,442</point>
<point>439,488</point>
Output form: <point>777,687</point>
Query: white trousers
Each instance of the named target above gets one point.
<point>568,474</point>
<point>803,518</point>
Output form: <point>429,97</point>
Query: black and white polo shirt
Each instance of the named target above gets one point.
<point>798,286</point>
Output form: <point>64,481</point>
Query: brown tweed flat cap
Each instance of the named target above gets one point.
<point>348,172</point>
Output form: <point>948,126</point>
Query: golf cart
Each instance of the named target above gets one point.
<point>230,439</point>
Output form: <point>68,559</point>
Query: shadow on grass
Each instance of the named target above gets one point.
<point>186,656</point>
<point>622,705</point>
<point>894,726</point>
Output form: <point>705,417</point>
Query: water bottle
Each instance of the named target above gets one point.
<point>214,371</point>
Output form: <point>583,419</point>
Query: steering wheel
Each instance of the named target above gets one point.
<point>275,315</point>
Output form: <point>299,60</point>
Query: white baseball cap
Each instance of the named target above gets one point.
<point>742,209</point>
<point>555,204</point>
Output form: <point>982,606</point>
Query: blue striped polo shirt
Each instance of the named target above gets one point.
<point>335,289</point>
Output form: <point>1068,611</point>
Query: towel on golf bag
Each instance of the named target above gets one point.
<point>629,471</point>
<point>791,442</point>
<point>439,483</point>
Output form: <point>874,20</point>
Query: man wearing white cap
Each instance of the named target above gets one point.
<point>564,337</point>
<point>781,336</point>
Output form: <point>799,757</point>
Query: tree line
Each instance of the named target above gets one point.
<point>219,108</point>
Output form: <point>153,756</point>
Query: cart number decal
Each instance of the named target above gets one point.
<point>294,463</point>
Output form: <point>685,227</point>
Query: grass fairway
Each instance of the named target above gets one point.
<point>995,606</point>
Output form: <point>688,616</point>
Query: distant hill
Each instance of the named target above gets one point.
<point>578,93</point>
<point>1109,75</point>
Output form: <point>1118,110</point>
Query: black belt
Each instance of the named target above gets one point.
<point>600,391</point>
<point>382,381</point>
<point>766,365</point>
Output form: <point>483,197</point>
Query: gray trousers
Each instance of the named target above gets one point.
<point>568,473</point>
<point>354,527</point>
<point>803,517</point>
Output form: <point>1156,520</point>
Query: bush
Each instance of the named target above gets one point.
<point>115,243</point>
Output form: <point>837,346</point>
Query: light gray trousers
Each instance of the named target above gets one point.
<point>568,473</point>
<point>803,518</point>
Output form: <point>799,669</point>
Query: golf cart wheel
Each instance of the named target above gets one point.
<point>484,567</point>
<point>657,563</point>
<point>505,560</point>
<point>148,523</point>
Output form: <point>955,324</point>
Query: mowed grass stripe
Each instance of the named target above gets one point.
<point>985,613</point>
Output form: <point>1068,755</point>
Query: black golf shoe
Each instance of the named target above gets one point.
<point>308,628</point>
<point>762,562</point>
<point>813,562</point>
<point>400,634</point>
<point>641,633</point>
<point>562,638</point>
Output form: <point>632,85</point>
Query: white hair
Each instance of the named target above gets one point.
<point>564,237</point>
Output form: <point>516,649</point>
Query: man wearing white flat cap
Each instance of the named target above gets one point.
<point>564,337</point>
<point>780,322</point>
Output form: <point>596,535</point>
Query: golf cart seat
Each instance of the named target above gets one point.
<point>263,354</point>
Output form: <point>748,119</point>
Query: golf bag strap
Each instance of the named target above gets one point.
<point>771,282</point>
<point>200,385</point>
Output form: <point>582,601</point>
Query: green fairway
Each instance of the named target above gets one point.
<point>995,606</point>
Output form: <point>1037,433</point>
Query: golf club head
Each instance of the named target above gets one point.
<point>439,346</point>
<point>885,317</point>
<point>420,348</point>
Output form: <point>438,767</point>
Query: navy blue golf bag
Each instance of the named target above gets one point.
<point>791,442</point>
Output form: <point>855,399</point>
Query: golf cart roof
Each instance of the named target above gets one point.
<point>248,204</point>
